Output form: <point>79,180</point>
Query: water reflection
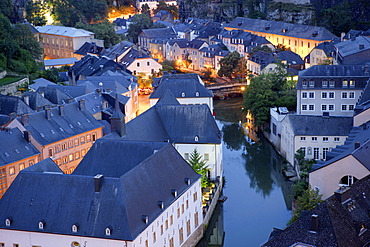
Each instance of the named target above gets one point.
<point>234,136</point>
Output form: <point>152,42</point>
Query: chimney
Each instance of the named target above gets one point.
<point>314,226</point>
<point>98,180</point>
<point>26,99</point>
<point>25,120</point>
<point>11,116</point>
<point>47,114</point>
<point>104,104</point>
<point>343,194</point>
<point>61,110</point>
<point>81,104</point>
<point>357,145</point>
<point>27,135</point>
<point>361,46</point>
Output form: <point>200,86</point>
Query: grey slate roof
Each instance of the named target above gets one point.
<point>74,122</point>
<point>60,61</point>
<point>63,200</point>
<point>159,33</point>
<point>167,98</point>
<point>281,28</point>
<point>336,72</point>
<point>339,224</point>
<point>290,57</point>
<point>350,47</point>
<point>90,48</point>
<point>36,100</point>
<point>309,125</point>
<point>14,147</point>
<point>327,47</point>
<point>12,104</point>
<point>46,165</point>
<point>71,91</point>
<point>40,82</point>
<point>181,83</point>
<point>118,49</point>
<point>173,123</point>
<point>54,95</point>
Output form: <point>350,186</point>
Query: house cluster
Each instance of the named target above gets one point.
<point>330,126</point>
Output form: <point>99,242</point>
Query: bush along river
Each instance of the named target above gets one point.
<point>259,196</point>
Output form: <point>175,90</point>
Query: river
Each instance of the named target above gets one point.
<point>258,194</point>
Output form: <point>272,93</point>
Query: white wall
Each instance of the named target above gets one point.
<point>189,101</point>
<point>144,65</point>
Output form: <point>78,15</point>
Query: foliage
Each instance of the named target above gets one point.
<point>206,74</point>
<point>35,12</point>
<point>143,81</point>
<point>103,30</point>
<point>308,201</point>
<point>228,64</point>
<point>264,48</point>
<point>326,62</point>
<point>139,22</point>
<point>145,9</point>
<point>268,90</point>
<point>241,70</point>
<point>187,61</point>
<point>26,40</point>
<point>5,8</point>
<point>199,166</point>
<point>168,66</point>
<point>281,47</point>
<point>169,8</point>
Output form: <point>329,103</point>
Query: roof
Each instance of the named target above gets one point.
<point>281,28</point>
<point>61,200</point>
<point>339,223</point>
<point>292,58</point>
<point>159,33</point>
<point>40,82</point>
<point>14,147</point>
<point>90,48</point>
<point>310,125</point>
<point>54,95</point>
<point>46,165</point>
<point>173,123</point>
<point>118,49</point>
<point>350,47</point>
<point>12,104</point>
<point>182,86</point>
<point>64,31</point>
<point>327,47</point>
<point>35,100</point>
<point>71,91</point>
<point>73,122</point>
<point>167,98</point>
<point>60,61</point>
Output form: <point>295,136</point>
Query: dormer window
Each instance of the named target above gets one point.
<point>331,83</point>
<point>344,83</point>
<point>312,83</point>
<point>197,94</point>
<point>352,83</point>
<point>324,83</point>
<point>42,224</point>
<point>75,228</point>
<point>304,83</point>
<point>183,94</point>
<point>196,138</point>
<point>8,221</point>
<point>108,231</point>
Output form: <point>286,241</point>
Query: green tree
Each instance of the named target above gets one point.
<point>241,71</point>
<point>103,30</point>
<point>26,40</point>
<point>264,48</point>
<point>168,66</point>
<point>5,8</point>
<point>199,166</point>
<point>35,12</point>
<point>228,64</point>
<point>169,8</point>
<point>139,22</point>
<point>145,9</point>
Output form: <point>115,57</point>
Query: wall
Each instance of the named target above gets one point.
<point>189,101</point>
<point>13,87</point>
<point>3,74</point>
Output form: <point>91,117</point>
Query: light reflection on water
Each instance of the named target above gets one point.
<point>258,195</point>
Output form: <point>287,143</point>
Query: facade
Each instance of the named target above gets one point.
<point>188,89</point>
<point>17,153</point>
<point>301,39</point>
<point>62,42</point>
<point>148,34</point>
<point>314,135</point>
<point>330,89</point>
<point>362,111</point>
<point>323,53</point>
<point>157,202</point>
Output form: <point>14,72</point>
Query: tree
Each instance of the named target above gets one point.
<point>169,8</point>
<point>264,48</point>
<point>103,30</point>
<point>145,9</point>
<point>241,71</point>
<point>139,22</point>
<point>26,40</point>
<point>35,13</point>
<point>199,166</point>
<point>228,64</point>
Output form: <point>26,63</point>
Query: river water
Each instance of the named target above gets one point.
<point>259,197</point>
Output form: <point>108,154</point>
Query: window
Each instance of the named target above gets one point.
<point>138,65</point>
<point>312,83</point>
<point>12,170</point>
<point>344,95</point>
<point>76,142</point>
<point>74,228</point>
<point>303,138</point>
<point>331,95</point>
<point>195,196</point>
<point>304,107</point>
<point>70,157</point>
<point>352,83</point>
<point>57,149</point>
<point>172,243</point>
<point>64,146</point>
<point>171,220</point>
<point>50,152</point>
<point>166,224</point>
<point>187,204</point>
<point>274,129</point>
<point>314,139</point>
<point>178,212</point>
<point>188,229</point>
<point>93,137</point>
<point>70,144</point>
<point>77,155</point>
<point>325,139</point>
<point>324,152</point>
<point>331,107</point>
<point>344,107</point>
<point>344,83</point>
<point>351,95</point>
<point>323,107</point>
<point>15,245</point>
<point>324,83</point>
<point>304,95</point>
<point>161,229</point>
<point>21,167</point>
<point>186,156</point>
<point>31,163</point>
<point>316,153</point>
<point>182,208</point>
<point>196,223</point>
<point>147,63</point>
<point>65,160</point>
<point>324,95</point>
<point>347,180</point>
<point>311,107</point>
<point>336,139</point>
<point>88,138</point>
<point>206,157</point>
<point>331,83</point>
<point>311,95</point>
<point>58,162</point>
<point>304,83</point>
<point>82,140</point>
<point>181,235</point>
<point>351,107</point>
<point>154,237</point>
<point>83,153</point>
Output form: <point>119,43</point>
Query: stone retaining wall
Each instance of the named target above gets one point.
<point>2,74</point>
<point>12,88</point>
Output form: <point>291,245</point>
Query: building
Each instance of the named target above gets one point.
<point>62,42</point>
<point>148,34</point>
<point>341,220</point>
<point>321,54</point>
<point>314,135</point>
<point>330,89</point>
<point>362,111</point>
<point>89,48</point>
<point>151,200</point>
<point>188,89</point>
<point>352,52</point>
<point>17,153</point>
<point>59,62</point>
<point>301,39</point>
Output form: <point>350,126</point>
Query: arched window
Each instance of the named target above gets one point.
<point>182,94</point>
<point>347,180</point>
<point>108,231</point>
<point>196,138</point>
<point>74,228</point>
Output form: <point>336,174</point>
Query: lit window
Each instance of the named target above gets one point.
<point>70,157</point>
<point>82,140</point>
<point>206,157</point>
<point>352,83</point>
<point>77,155</point>
<point>12,170</point>
<point>88,138</point>
<point>344,83</point>
<point>76,142</point>
<point>83,152</point>
<point>21,166</point>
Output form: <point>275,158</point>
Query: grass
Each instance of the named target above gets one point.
<point>9,80</point>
